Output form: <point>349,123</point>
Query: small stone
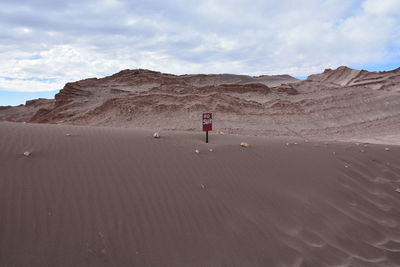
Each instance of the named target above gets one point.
<point>203,186</point>
<point>210,150</point>
<point>398,190</point>
<point>362,151</point>
<point>156,135</point>
<point>387,149</point>
<point>287,144</point>
<point>334,153</point>
<point>244,144</point>
<point>27,153</point>
<point>295,144</point>
<point>68,134</point>
<point>197,151</point>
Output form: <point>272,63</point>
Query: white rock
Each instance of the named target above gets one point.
<point>287,144</point>
<point>68,134</point>
<point>156,135</point>
<point>203,186</point>
<point>197,151</point>
<point>334,153</point>
<point>244,144</point>
<point>27,153</point>
<point>294,143</point>
<point>398,190</point>
<point>210,150</point>
<point>387,149</point>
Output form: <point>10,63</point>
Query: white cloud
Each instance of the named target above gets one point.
<point>29,85</point>
<point>382,7</point>
<point>81,39</point>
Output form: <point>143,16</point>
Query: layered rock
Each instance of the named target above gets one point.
<point>340,103</point>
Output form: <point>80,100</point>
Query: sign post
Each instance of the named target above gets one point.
<point>207,124</point>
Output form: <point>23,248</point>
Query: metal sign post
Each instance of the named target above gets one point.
<point>207,124</point>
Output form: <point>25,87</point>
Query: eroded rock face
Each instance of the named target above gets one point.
<point>340,103</point>
<point>73,92</point>
<point>344,76</point>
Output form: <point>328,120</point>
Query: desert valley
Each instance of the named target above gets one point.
<point>84,183</point>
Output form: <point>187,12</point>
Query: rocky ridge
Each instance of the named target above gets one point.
<point>341,103</point>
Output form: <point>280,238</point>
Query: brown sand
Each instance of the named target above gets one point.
<point>118,197</point>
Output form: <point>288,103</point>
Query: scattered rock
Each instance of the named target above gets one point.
<point>197,151</point>
<point>387,149</point>
<point>244,144</point>
<point>27,153</point>
<point>156,135</point>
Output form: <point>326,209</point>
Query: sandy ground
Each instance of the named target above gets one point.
<point>92,196</point>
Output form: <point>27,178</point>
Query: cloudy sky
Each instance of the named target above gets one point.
<point>46,43</point>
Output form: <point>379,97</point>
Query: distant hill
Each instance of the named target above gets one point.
<point>343,103</point>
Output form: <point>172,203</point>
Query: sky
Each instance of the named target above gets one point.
<point>47,43</point>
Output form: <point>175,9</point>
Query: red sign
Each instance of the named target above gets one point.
<point>207,121</point>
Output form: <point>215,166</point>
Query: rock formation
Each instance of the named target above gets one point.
<point>341,103</point>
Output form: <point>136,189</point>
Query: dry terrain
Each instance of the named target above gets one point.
<point>342,104</point>
<point>316,181</point>
<point>94,196</point>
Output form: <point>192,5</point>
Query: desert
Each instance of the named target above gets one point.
<point>115,171</point>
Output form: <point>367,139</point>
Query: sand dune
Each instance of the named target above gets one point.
<point>93,196</point>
